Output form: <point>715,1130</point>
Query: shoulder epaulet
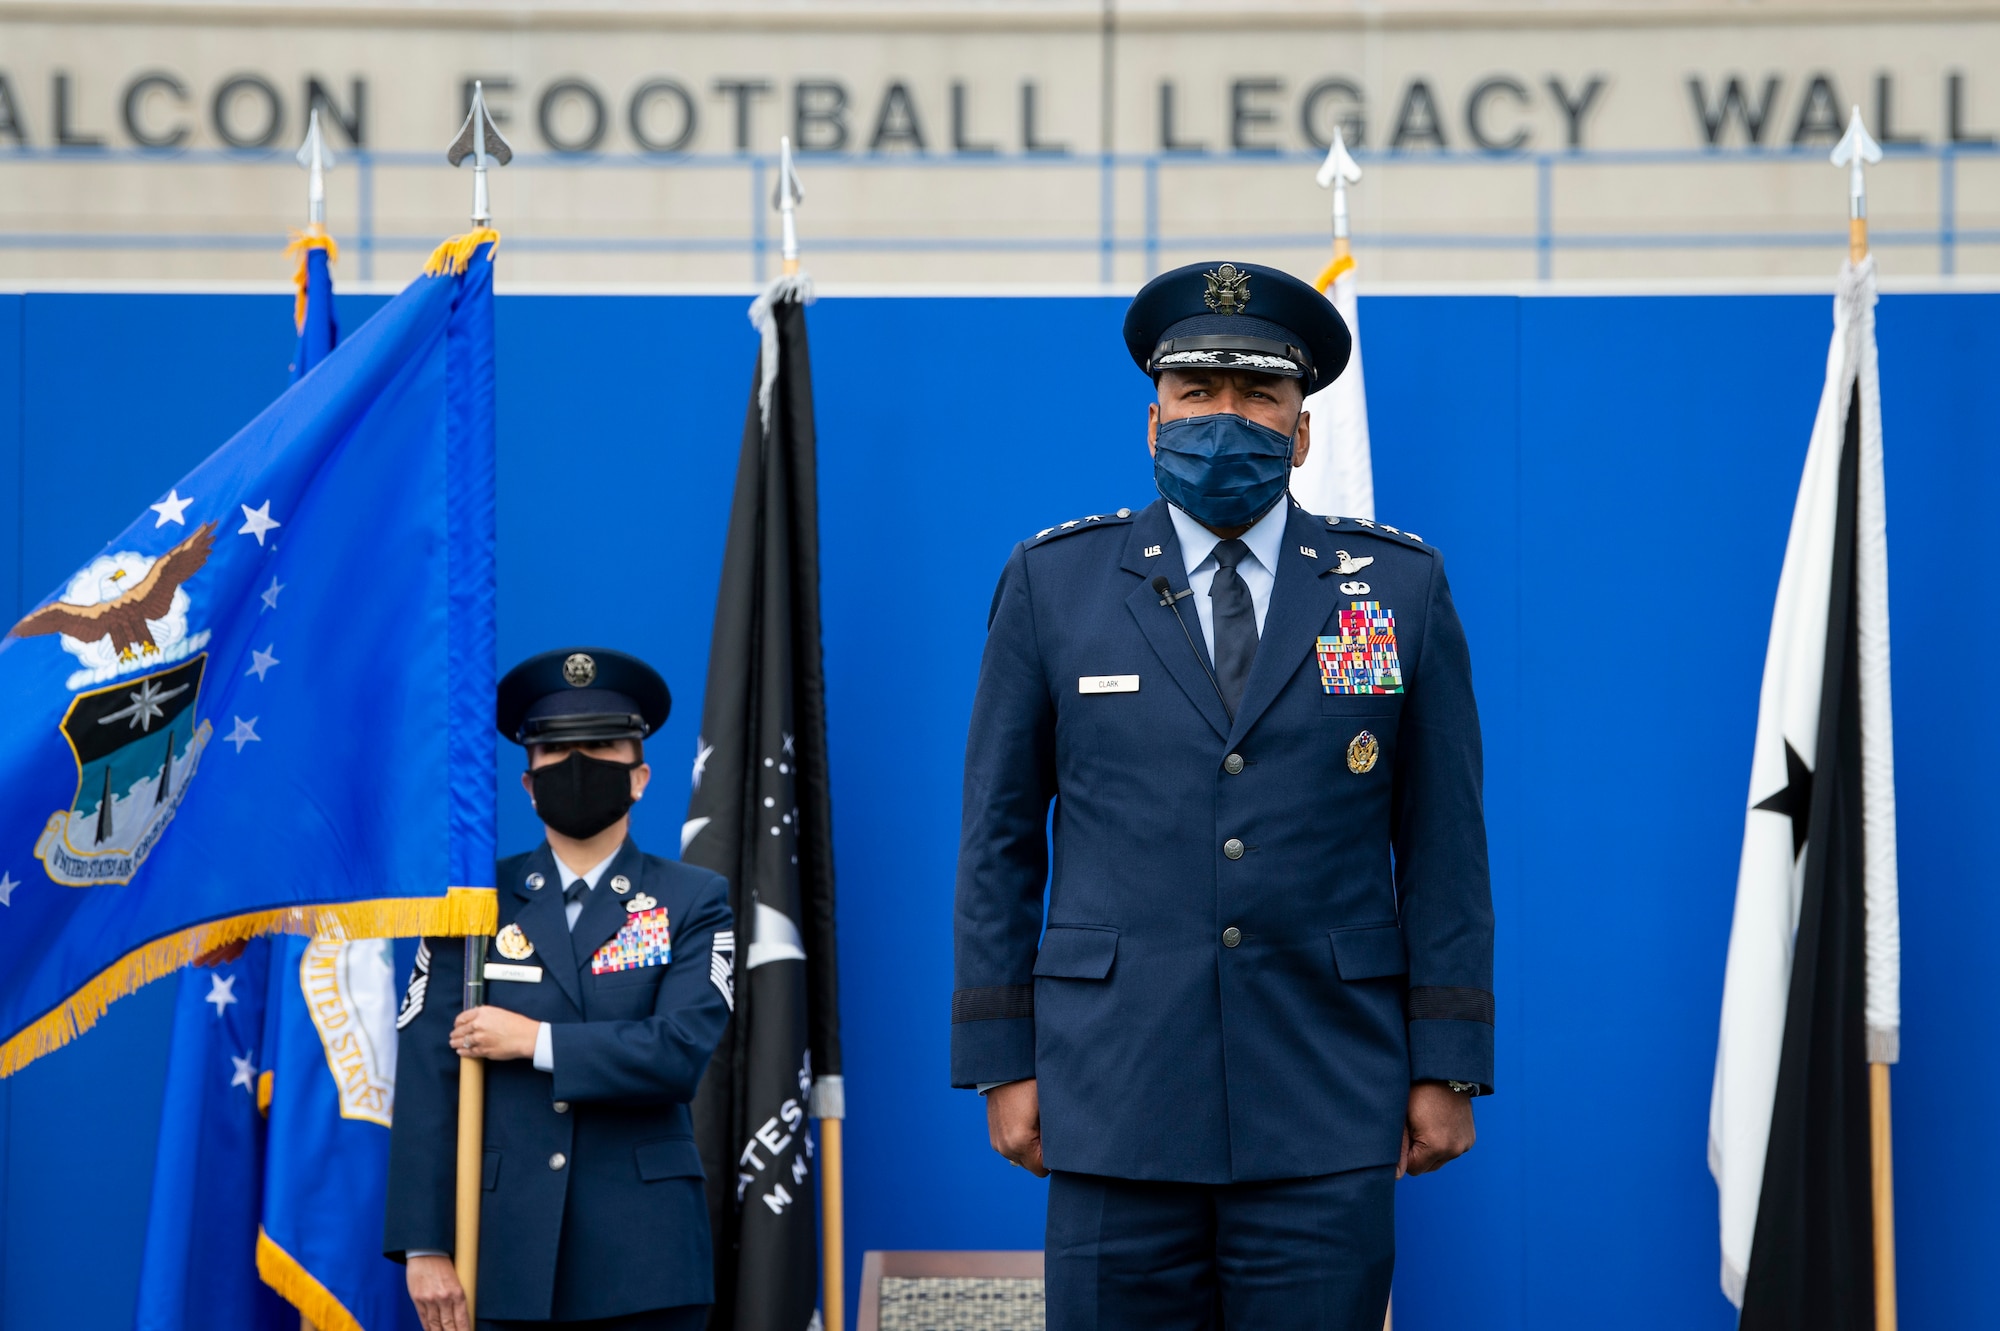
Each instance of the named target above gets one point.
<point>1382,529</point>
<point>1047,534</point>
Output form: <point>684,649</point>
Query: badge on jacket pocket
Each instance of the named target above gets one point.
<point>1362,751</point>
<point>642,942</point>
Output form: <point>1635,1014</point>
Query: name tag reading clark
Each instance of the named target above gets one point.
<point>496,970</point>
<point>1108,684</point>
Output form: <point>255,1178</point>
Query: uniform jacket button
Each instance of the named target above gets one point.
<point>1231,936</point>
<point>1233,848</point>
<point>1233,764</point>
<point>561,1106</point>
<point>558,1160</point>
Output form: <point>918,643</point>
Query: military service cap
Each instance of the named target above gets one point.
<point>576,695</point>
<point>1237,316</point>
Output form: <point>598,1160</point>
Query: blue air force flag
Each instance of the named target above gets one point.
<point>330,1080</point>
<point>200,1264</point>
<point>265,706</point>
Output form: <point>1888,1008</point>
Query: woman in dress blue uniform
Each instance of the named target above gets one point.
<point>602,1008</point>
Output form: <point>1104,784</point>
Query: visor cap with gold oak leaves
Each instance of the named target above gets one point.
<point>1237,316</point>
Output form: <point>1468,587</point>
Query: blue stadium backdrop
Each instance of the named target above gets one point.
<point>1610,479</point>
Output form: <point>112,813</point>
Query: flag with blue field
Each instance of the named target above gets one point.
<point>265,706</point>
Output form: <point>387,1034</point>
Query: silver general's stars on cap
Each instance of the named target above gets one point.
<point>1237,316</point>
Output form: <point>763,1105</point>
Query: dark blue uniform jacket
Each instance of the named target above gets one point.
<point>1358,904</point>
<point>594,1202</point>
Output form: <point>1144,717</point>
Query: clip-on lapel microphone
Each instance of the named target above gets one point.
<point>1168,597</point>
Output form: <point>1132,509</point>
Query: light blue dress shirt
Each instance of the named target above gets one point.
<point>1259,572</point>
<point>545,1053</point>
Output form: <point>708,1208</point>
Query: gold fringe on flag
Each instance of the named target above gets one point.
<point>314,237</point>
<point>315,1302</point>
<point>264,1083</point>
<point>456,253</point>
<point>1329,275</point>
<point>461,910</point>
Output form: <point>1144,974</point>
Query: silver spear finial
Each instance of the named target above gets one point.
<point>317,159</point>
<point>1337,172</point>
<point>480,139</point>
<point>1854,150</point>
<point>786,198</point>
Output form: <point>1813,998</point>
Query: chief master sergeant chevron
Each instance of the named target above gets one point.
<point>602,1007</point>
<point>1264,989</point>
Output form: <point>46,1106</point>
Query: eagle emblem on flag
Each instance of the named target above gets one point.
<point>136,742</point>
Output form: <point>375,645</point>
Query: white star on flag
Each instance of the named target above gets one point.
<point>7,886</point>
<point>244,733</point>
<point>257,521</point>
<point>262,661</point>
<point>171,508</point>
<point>246,1072</point>
<point>270,594</point>
<point>221,992</point>
<point>702,750</point>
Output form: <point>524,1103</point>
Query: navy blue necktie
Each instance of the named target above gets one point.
<point>1235,621</point>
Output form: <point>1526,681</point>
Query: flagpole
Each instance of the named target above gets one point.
<point>1855,150</point>
<point>786,198</point>
<point>471,1138</point>
<point>1337,172</point>
<point>478,139</point>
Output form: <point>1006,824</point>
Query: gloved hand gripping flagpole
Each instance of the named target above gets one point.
<point>1854,151</point>
<point>479,138</point>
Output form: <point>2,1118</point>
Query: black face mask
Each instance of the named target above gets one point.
<point>581,796</point>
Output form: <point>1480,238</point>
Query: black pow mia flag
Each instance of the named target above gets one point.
<point>761,815</point>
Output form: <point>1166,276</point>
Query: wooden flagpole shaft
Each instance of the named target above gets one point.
<point>833,1230</point>
<point>1857,250</point>
<point>471,1147</point>
<point>1885,1196</point>
<point>471,1140</point>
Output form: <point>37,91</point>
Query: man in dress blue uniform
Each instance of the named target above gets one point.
<point>603,1004</point>
<point>1264,988</point>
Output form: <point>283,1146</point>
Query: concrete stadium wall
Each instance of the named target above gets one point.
<point>1610,479</point>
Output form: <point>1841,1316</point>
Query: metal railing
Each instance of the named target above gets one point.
<point>1112,235</point>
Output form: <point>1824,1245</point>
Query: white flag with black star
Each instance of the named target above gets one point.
<point>1810,996</point>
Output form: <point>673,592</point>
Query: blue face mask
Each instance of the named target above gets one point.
<point>1223,470</point>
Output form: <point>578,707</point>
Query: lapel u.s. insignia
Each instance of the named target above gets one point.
<point>621,884</point>
<point>1362,751</point>
<point>513,944</point>
<point>639,903</point>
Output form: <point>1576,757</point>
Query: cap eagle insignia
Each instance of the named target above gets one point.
<point>123,619</point>
<point>1228,290</point>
